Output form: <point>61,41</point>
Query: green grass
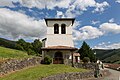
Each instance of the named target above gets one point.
<point>34,73</point>
<point>11,53</point>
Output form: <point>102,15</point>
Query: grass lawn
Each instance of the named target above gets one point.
<point>34,73</point>
<point>11,53</point>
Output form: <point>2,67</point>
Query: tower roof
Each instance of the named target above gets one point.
<point>59,19</point>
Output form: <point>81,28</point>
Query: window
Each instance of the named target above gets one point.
<point>56,29</point>
<point>63,29</point>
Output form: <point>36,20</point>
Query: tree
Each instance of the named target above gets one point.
<point>21,44</point>
<point>25,46</point>
<point>86,51</point>
<point>37,46</point>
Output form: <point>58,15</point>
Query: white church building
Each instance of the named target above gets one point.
<point>58,43</point>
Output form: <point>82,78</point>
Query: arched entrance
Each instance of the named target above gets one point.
<point>58,58</point>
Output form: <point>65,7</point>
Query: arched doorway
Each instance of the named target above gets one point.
<point>58,58</point>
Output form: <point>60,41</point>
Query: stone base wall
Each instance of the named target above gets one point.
<point>86,65</point>
<point>76,76</point>
<point>71,76</point>
<point>15,64</point>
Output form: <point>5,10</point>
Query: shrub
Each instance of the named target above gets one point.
<point>86,59</point>
<point>30,52</point>
<point>47,60</point>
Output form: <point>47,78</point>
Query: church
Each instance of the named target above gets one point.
<point>58,43</point>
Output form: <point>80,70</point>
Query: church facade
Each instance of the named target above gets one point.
<point>58,43</point>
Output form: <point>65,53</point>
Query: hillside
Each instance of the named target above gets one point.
<point>40,71</point>
<point>11,53</point>
<point>7,43</point>
<point>111,56</point>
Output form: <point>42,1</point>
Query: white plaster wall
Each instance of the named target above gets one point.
<point>51,23</point>
<point>59,40</point>
<point>50,28</point>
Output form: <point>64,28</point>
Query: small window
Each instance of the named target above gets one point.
<point>56,29</point>
<point>63,29</point>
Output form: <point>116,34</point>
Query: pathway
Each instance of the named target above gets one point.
<point>115,75</point>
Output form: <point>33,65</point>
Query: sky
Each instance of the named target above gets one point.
<point>96,21</point>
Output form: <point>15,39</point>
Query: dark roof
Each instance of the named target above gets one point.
<point>58,19</point>
<point>59,48</point>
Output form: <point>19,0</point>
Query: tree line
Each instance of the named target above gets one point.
<point>33,48</point>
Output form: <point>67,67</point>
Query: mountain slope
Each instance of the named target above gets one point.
<point>7,43</point>
<point>11,53</point>
<point>110,56</point>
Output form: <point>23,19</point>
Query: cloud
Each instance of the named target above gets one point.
<point>118,1</point>
<point>107,45</point>
<point>17,25</point>
<point>83,4</point>
<point>111,20</point>
<point>76,24</point>
<point>110,28</point>
<point>49,4</point>
<point>33,3</point>
<point>87,32</point>
<point>60,14</point>
<point>7,3</point>
<point>100,7</point>
<point>95,22</point>
<point>72,8</point>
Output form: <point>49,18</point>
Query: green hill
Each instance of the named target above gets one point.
<point>40,71</point>
<point>110,56</point>
<point>11,53</point>
<point>7,43</point>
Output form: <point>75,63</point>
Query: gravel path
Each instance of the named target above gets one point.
<point>115,75</point>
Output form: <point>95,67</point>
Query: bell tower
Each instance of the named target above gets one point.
<point>59,32</point>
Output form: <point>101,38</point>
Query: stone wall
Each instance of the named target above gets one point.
<point>71,76</point>
<point>76,76</point>
<point>17,64</point>
<point>86,65</point>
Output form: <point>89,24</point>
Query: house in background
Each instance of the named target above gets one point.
<point>58,43</point>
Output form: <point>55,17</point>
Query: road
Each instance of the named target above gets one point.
<point>115,75</point>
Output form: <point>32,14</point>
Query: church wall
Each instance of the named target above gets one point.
<point>59,40</point>
<point>50,30</point>
<point>66,54</point>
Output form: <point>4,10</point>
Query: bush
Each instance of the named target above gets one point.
<point>47,60</point>
<point>30,52</point>
<point>86,59</point>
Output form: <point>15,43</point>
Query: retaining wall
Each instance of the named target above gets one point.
<point>76,76</point>
<point>71,76</point>
<point>86,65</point>
<point>15,64</point>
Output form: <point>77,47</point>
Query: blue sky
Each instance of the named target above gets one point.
<point>97,21</point>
